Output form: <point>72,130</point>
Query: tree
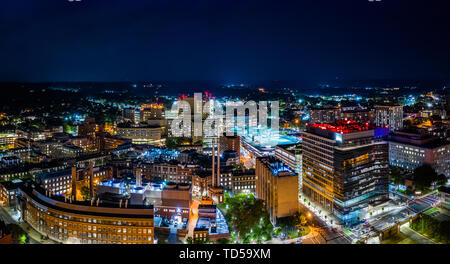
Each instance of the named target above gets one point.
<point>432,227</point>
<point>174,142</point>
<point>198,142</point>
<point>287,224</point>
<point>171,143</point>
<point>395,176</point>
<point>223,241</point>
<point>248,218</point>
<point>424,176</point>
<point>303,220</point>
<point>291,223</point>
<point>85,192</point>
<point>441,180</point>
<point>23,239</point>
<point>17,233</point>
<point>163,241</point>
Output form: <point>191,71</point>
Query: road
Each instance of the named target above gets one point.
<point>313,238</point>
<point>322,233</point>
<point>405,229</point>
<point>398,210</point>
<point>194,218</point>
<point>33,236</point>
<point>423,203</point>
<point>391,217</point>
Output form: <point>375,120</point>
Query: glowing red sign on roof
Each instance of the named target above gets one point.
<point>344,126</point>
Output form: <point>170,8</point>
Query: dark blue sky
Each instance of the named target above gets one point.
<point>128,40</point>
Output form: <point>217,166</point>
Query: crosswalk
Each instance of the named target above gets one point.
<point>421,204</point>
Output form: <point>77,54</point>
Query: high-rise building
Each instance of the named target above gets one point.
<point>389,115</point>
<point>277,185</point>
<point>345,167</point>
<point>231,143</point>
<point>150,112</point>
<point>215,191</point>
<point>359,115</point>
<point>132,115</point>
<point>324,115</point>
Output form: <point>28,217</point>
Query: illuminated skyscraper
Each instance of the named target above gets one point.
<point>345,167</point>
<point>389,115</point>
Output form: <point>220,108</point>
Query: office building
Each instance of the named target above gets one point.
<point>131,114</point>
<point>231,143</point>
<point>389,116</point>
<point>359,115</point>
<point>291,155</point>
<point>411,150</point>
<point>277,185</point>
<point>345,167</point>
<point>324,115</point>
<point>90,222</point>
<point>140,134</point>
<point>151,111</point>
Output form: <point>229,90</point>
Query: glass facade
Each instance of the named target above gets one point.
<point>345,174</point>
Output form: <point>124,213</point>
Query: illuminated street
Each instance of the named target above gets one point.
<point>33,236</point>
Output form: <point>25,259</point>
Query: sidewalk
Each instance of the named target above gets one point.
<point>30,231</point>
<point>414,235</point>
<point>315,208</point>
<point>330,221</point>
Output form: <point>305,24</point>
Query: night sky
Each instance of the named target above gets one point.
<point>132,40</point>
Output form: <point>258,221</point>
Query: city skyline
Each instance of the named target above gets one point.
<point>235,124</point>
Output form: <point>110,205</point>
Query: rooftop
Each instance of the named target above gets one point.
<point>344,126</point>
<point>292,148</point>
<point>83,207</point>
<point>55,174</point>
<point>417,139</point>
<point>277,167</point>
